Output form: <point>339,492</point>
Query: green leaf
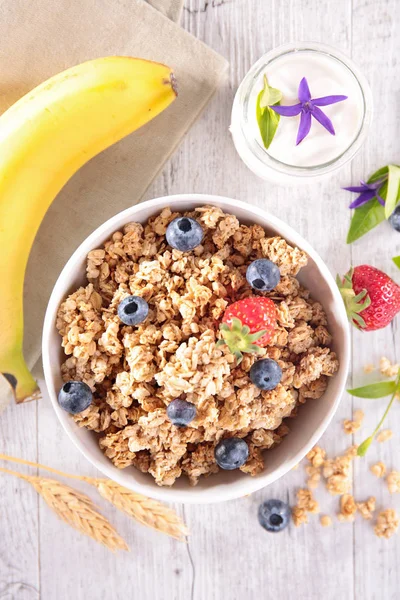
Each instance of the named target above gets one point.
<point>269,95</point>
<point>364,219</point>
<point>396,260</point>
<point>378,174</point>
<point>268,121</point>
<point>366,443</point>
<point>374,390</point>
<point>362,448</point>
<point>392,190</point>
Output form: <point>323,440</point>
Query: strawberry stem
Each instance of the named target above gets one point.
<point>239,339</point>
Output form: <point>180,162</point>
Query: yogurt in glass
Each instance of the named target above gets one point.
<point>328,72</point>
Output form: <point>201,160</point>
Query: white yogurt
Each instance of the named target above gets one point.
<point>325,76</point>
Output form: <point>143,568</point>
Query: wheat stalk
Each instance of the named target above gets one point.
<point>145,510</point>
<point>76,509</point>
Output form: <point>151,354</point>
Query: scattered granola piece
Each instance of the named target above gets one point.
<point>358,416</point>
<point>367,508</point>
<point>378,469</point>
<point>393,482</point>
<point>348,508</point>
<point>337,472</point>
<point>314,476</point>
<point>325,520</point>
<point>351,452</point>
<point>295,467</point>
<point>351,427</point>
<point>369,368</point>
<point>386,523</point>
<point>299,516</point>
<point>384,435</point>
<point>305,500</point>
<point>316,456</point>
<point>387,368</point>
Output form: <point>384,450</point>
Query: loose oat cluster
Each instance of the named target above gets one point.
<point>135,372</point>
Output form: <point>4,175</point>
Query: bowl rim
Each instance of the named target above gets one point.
<point>171,494</point>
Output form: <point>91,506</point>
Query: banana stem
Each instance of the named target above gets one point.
<point>16,372</point>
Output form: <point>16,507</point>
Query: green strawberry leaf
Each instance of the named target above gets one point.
<point>392,190</point>
<point>269,95</point>
<point>268,121</point>
<point>374,390</point>
<point>366,218</point>
<point>396,260</point>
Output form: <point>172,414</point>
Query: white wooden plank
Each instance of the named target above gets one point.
<point>19,544</point>
<point>375,573</point>
<point>232,555</point>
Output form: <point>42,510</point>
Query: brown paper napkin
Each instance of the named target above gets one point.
<point>38,39</point>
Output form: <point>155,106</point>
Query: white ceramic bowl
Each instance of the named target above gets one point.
<point>306,429</point>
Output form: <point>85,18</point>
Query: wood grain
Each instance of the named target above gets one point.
<point>228,555</point>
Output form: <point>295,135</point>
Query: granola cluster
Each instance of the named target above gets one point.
<point>135,372</point>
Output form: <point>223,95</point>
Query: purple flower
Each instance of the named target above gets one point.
<point>307,108</point>
<point>367,192</point>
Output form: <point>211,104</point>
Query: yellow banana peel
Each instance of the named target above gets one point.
<point>44,139</point>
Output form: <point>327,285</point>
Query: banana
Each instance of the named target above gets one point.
<point>44,139</point>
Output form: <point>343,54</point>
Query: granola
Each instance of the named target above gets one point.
<point>378,469</point>
<point>134,372</point>
<point>393,482</point>
<point>384,435</point>
<point>387,523</point>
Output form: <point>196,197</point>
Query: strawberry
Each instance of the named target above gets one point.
<point>247,321</point>
<point>371,298</point>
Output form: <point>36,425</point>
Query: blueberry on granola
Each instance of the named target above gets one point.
<point>274,515</point>
<point>133,310</point>
<point>181,412</point>
<point>394,218</point>
<point>265,374</point>
<point>75,397</point>
<point>231,453</point>
<point>263,275</point>
<point>184,233</point>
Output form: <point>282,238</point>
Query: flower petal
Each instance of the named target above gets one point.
<point>356,188</point>
<point>380,199</point>
<point>323,119</point>
<point>287,111</point>
<point>362,199</point>
<point>326,100</point>
<point>304,94</point>
<point>304,127</point>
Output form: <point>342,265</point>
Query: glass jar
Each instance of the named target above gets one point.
<point>292,61</point>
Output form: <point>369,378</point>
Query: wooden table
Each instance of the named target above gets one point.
<point>229,556</point>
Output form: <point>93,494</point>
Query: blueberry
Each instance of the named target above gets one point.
<point>263,275</point>
<point>181,412</point>
<point>184,234</point>
<point>75,396</point>
<point>265,374</point>
<point>394,218</point>
<point>133,310</point>
<point>231,453</point>
<point>274,515</point>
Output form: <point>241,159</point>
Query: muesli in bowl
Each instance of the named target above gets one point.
<point>192,345</point>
